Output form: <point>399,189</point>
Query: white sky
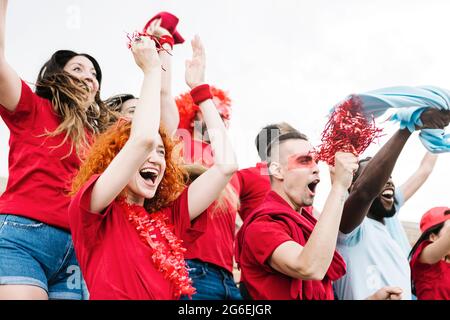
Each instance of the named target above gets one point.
<point>286,60</point>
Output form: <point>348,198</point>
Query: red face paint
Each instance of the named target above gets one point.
<point>298,161</point>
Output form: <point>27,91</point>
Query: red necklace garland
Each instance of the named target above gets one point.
<point>168,255</point>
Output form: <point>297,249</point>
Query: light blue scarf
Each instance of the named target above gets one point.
<point>410,102</point>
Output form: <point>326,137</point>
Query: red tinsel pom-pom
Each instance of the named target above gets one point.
<point>347,130</point>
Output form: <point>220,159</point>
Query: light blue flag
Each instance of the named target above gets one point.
<point>410,102</point>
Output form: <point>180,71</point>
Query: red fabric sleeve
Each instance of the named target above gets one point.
<point>23,116</point>
<point>84,224</point>
<point>179,216</point>
<point>263,236</point>
<point>415,257</point>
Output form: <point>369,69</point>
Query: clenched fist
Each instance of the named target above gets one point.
<point>345,166</point>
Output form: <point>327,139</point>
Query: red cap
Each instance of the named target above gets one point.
<point>433,217</point>
<point>168,22</point>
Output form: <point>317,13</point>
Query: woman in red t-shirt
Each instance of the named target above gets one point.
<point>131,208</point>
<point>49,129</point>
<point>430,256</point>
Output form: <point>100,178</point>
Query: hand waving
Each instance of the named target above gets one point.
<point>195,68</point>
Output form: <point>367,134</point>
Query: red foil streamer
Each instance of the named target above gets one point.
<point>159,41</point>
<point>168,253</point>
<point>347,130</point>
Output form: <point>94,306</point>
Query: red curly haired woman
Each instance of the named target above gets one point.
<point>131,206</point>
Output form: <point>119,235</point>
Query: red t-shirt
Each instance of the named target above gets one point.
<point>264,235</point>
<point>258,238</point>
<point>39,175</point>
<point>254,184</point>
<point>432,281</point>
<point>115,262</point>
<point>216,245</point>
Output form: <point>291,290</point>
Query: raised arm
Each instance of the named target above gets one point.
<point>10,85</point>
<point>169,111</point>
<point>312,261</point>
<point>371,181</point>
<point>207,188</point>
<point>377,172</point>
<point>144,130</point>
<point>437,250</point>
<point>414,182</point>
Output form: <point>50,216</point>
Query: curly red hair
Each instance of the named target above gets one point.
<point>187,108</point>
<point>109,144</point>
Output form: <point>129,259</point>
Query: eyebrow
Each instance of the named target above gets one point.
<point>79,64</point>
<point>298,155</point>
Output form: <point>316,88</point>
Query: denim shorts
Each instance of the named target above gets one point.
<point>37,254</point>
<point>211,282</point>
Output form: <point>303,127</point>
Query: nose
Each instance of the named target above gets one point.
<point>316,169</point>
<point>89,77</point>
<point>153,157</point>
<point>390,183</point>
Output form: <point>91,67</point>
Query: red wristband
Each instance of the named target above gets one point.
<point>201,93</point>
<point>166,39</point>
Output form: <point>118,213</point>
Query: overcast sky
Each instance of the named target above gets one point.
<point>286,60</point>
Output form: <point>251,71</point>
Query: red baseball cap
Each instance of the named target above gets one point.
<point>433,217</point>
<point>168,22</point>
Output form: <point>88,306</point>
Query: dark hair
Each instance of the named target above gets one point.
<point>284,137</point>
<point>426,235</point>
<point>55,65</point>
<point>116,102</point>
<point>268,134</point>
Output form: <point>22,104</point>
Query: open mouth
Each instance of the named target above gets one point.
<point>149,175</point>
<point>312,186</point>
<point>388,194</point>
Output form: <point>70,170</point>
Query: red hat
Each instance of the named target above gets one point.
<point>168,22</point>
<point>433,217</point>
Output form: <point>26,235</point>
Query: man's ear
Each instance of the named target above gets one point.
<point>275,171</point>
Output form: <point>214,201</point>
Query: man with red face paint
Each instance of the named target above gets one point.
<point>373,257</point>
<point>282,250</point>
<point>254,182</point>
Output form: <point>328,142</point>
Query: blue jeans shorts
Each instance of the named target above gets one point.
<point>211,282</point>
<point>34,253</point>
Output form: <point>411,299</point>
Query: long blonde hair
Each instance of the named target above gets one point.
<point>67,98</point>
<point>227,198</point>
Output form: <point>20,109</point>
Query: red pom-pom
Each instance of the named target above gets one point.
<point>347,130</point>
